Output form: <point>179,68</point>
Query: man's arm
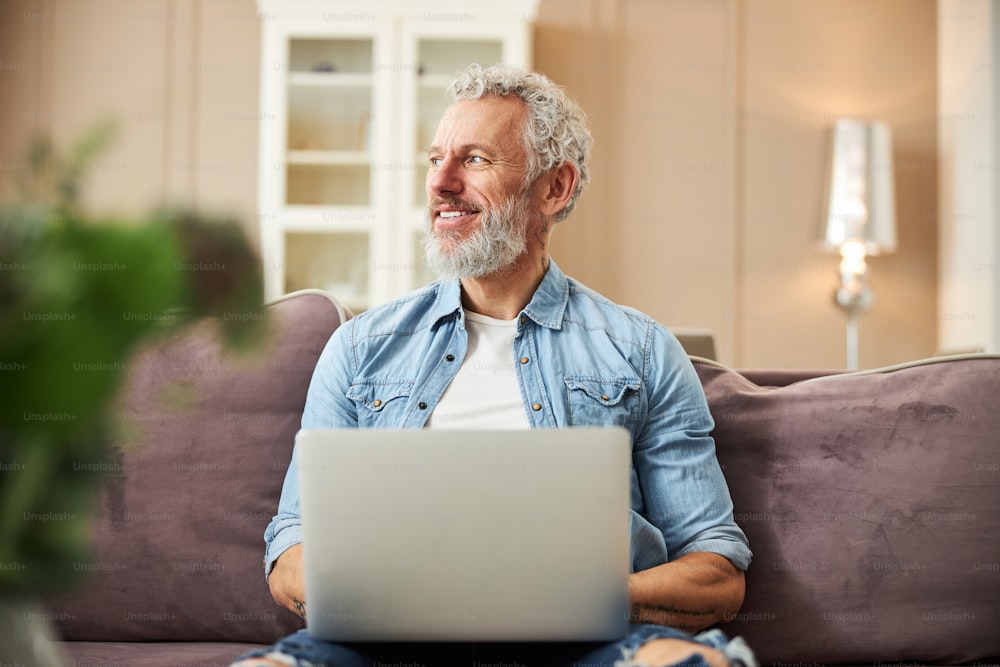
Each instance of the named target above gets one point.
<point>326,407</point>
<point>685,498</point>
<point>691,593</point>
<point>287,580</point>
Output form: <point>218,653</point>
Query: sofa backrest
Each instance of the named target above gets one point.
<point>205,435</point>
<point>872,506</point>
<point>871,501</point>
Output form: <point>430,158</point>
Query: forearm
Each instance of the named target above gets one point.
<point>691,593</point>
<point>287,580</point>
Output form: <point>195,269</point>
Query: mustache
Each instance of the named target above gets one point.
<point>453,202</point>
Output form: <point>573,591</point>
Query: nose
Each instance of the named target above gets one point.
<point>445,178</point>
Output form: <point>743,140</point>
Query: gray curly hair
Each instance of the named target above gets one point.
<point>556,131</point>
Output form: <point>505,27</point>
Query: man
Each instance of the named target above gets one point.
<point>507,340</point>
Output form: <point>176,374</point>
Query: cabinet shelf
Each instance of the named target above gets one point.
<point>326,219</point>
<point>330,79</point>
<point>321,157</point>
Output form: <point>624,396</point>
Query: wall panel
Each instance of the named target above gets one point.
<point>804,64</point>
<point>710,118</point>
<point>718,115</point>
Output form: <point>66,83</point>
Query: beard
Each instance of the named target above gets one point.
<point>491,249</point>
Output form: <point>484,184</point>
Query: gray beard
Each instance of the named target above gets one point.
<point>492,249</point>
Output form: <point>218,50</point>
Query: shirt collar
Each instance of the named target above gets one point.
<point>546,307</point>
<point>448,302</point>
<point>548,304</point>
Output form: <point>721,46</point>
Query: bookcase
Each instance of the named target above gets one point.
<point>351,94</point>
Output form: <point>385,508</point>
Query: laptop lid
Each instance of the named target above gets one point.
<point>449,535</point>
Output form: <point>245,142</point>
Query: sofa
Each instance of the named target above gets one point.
<point>871,501</point>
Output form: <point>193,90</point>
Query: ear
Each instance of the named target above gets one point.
<point>556,188</point>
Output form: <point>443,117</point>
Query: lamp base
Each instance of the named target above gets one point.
<point>854,300</point>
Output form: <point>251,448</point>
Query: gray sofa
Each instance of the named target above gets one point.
<point>871,500</point>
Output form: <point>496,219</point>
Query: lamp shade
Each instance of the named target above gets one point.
<point>860,203</point>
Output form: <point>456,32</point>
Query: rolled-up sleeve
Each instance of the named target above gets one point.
<point>685,504</point>
<point>285,529</point>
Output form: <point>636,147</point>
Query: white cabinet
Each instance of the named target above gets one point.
<point>351,94</point>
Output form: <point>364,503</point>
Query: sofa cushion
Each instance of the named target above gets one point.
<point>205,437</point>
<point>872,505</point>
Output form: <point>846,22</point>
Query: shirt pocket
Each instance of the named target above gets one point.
<point>380,403</point>
<point>601,402</point>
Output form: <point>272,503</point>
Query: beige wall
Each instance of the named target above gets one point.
<point>710,117</point>
<point>179,76</point>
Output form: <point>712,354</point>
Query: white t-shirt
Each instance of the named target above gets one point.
<point>484,393</point>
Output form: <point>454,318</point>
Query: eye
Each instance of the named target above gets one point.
<point>477,159</point>
<point>434,161</point>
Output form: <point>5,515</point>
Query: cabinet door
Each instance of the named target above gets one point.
<point>330,106</point>
<point>435,52</point>
<point>324,209</point>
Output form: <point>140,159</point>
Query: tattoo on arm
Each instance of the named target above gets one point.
<point>300,607</point>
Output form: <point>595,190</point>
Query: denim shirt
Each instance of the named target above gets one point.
<point>580,360</point>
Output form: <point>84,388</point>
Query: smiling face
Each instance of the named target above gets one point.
<point>478,212</point>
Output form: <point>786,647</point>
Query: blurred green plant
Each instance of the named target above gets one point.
<point>79,291</point>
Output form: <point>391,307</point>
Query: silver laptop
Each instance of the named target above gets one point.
<point>442,535</point>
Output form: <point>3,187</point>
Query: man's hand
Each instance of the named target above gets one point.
<point>287,580</point>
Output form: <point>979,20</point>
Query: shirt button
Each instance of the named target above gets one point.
<point>604,397</point>
<point>450,357</point>
<point>422,405</point>
<point>378,402</point>
<point>524,360</point>
<point>523,319</point>
<point>536,406</point>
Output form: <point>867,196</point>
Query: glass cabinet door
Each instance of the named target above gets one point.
<point>329,193</point>
<point>329,116</point>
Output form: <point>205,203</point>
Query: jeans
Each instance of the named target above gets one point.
<point>301,650</point>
